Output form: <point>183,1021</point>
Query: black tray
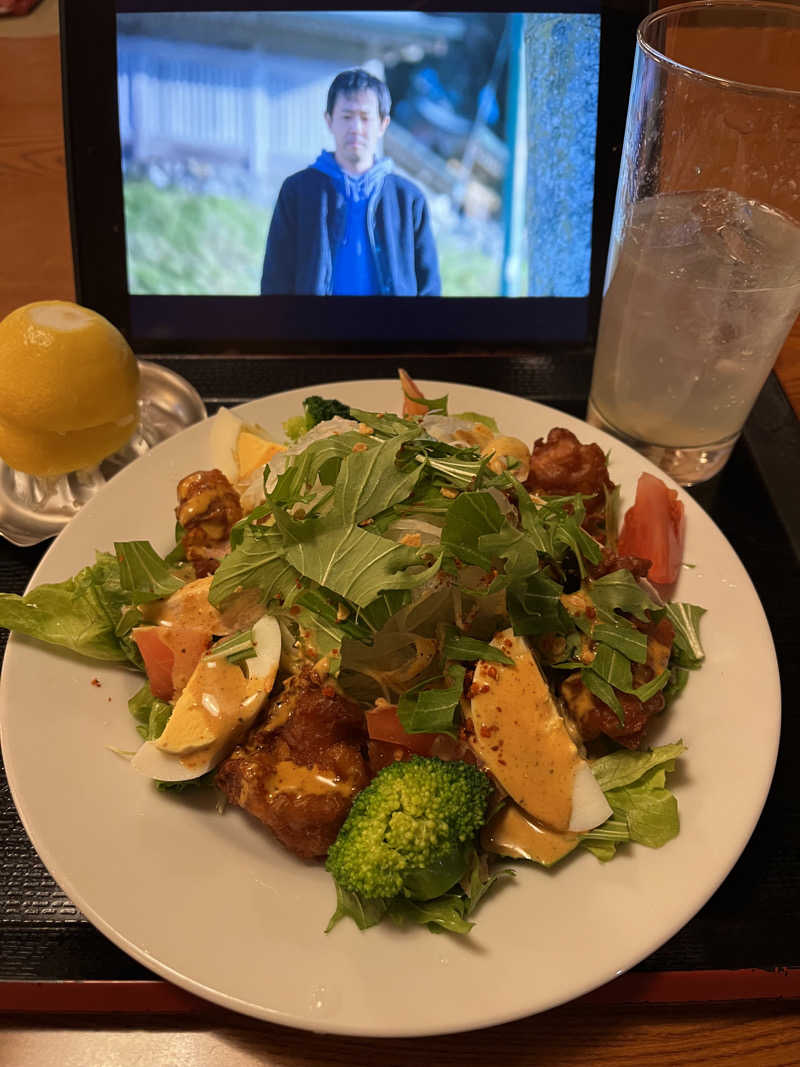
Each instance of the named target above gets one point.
<point>751,921</point>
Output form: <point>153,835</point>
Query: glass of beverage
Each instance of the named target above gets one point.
<point>703,275</point>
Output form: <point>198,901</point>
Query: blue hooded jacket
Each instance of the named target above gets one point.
<point>355,272</point>
<point>320,207</point>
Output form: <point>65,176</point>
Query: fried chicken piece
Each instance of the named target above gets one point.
<point>594,718</point>
<point>611,562</point>
<point>562,466</point>
<point>208,506</point>
<point>299,770</point>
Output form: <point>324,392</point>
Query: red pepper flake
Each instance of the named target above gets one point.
<point>477,689</point>
<point>329,692</point>
<point>96,682</point>
<point>491,670</point>
<point>294,609</point>
<point>487,731</point>
<point>501,760</point>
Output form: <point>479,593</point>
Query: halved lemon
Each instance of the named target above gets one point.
<point>69,385</point>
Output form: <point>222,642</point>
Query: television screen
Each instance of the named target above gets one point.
<point>358,153</point>
<point>438,180</point>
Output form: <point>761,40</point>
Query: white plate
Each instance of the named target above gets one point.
<point>212,904</point>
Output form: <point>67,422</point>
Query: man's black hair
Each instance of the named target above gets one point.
<point>356,81</point>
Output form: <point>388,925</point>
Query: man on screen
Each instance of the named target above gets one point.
<point>348,225</point>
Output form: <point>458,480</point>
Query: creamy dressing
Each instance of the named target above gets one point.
<point>290,777</point>
<point>188,607</point>
<point>520,736</point>
<point>216,701</point>
<point>512,833</point>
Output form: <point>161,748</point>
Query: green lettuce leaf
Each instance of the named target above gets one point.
<point>622,767</point>
<point>363,911</point>
<point>151,713</point>
<point>644,810</point>
<point>444,913</point>
<point>80,614</point>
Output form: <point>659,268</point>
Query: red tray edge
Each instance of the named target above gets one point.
<point>147,997</point>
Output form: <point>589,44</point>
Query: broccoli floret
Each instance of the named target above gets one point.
<point>410,833</point>
<point>318,409</point>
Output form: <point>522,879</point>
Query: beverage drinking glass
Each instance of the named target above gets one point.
<point>703,274</point>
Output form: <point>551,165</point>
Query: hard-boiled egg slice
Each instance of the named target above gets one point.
<point>520,736</point>
<point>238,448</point>
<point>225,428</point>
<point>217,706</point>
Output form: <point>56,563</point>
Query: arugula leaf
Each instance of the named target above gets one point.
<point>612,667</point>
<point>178,553</point>
<point>678,679</point>
<point>369,480</point>
<point>478,880</point>
<point>520,549</point>
<point>80,614</point>
<point>624,638</point>
<point>356,564</point>
<point>143,574</point>
<point>655,685</point>
<point>600,687</point>
<point>304,468</point>
<point>257,563</point>
<point>320,637</point>
<point>603,840</point>
<point>202,782</point>
<point>435,407</point>
<point>619,591</point>
<point>460,647</point>
<point>535,608</point>
<point>432,711</point>
<point>470,517</point>
<point>385,425</point>
<point>233,648</point>
<point>321,604</point>
<point>150,713</point>
<point>687,650</point>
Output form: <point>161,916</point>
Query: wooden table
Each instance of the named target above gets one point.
<point>35,263</point>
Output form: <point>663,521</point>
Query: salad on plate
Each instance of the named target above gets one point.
<point>411,646</point>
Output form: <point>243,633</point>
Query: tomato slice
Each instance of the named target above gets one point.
<point>170,655</point>
<point>411,393</point>
<point>159,660</point>
<point>653,529</point>
<point>384,725</point>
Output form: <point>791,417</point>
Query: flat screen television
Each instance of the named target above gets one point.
<point>248,178</point>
